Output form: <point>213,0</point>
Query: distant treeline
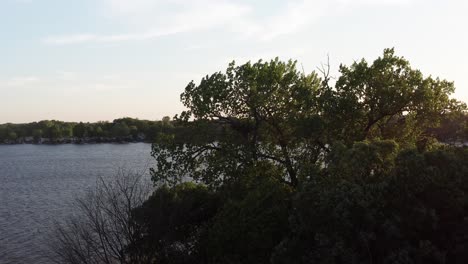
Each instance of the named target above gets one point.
<point>52,131</point>
<point>452,129</point>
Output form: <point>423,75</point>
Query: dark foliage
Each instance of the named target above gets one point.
<point>123,129</point>
<point>310,172</point>
<point>273,165</point>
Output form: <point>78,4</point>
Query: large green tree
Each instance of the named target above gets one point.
<point>387,99</point>
<point>260,110</point>
<point>271,111</point>
<point>346,164</point>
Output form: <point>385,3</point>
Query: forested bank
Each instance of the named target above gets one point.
<point>452,129</point>
<point>51,131</point>
<point>59,132</point>
<point>302,169</point>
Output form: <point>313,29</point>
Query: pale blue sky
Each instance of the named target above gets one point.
<point>91,60</point>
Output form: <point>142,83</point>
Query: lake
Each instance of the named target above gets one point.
<point>38,183</point>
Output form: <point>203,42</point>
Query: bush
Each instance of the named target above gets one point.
<point>413,213</point>
<point>101,227</point>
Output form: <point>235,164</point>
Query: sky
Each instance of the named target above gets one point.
<point>92,60</point>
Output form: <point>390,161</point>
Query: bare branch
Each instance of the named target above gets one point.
<point>101,228</point>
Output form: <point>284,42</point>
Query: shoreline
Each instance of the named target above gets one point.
<point>75,141</point>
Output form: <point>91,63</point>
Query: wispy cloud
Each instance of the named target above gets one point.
<point>295,16</point>
<point>84,38</point>
<point>154,19</point>
<point>151,19</point>
<point>298,15</point>
<point>67,75</point>
<point>22,81</point>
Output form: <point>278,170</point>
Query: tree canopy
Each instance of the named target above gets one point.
<point>387,99</point>
<point>312,169</point>
<point>270,164</point>
<point>271,111</point>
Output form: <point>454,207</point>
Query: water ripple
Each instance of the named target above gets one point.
<point>38,183</point>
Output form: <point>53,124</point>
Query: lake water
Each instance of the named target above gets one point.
<point>38,183</point>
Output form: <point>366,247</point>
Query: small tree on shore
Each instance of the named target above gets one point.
<point>101,228</point>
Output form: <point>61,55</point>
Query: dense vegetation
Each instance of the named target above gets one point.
<point>306,170</point>
<point>452,130</point>
<point>51,131</point>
